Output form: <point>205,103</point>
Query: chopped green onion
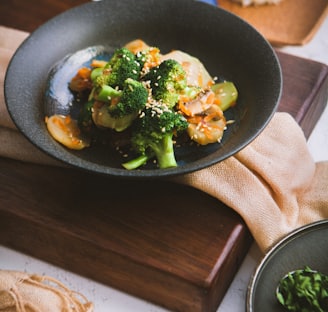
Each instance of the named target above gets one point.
<point>304,290</point>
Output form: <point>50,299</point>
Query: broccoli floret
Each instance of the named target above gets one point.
<point>123,105</point>
<point>167,81</point>
<point>121,66</point>
<point>153,135</point>
<point>99,76</point>
<point>133,99</point>
<point>101,90</point>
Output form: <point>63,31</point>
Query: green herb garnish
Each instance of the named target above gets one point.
<point>304,290</point>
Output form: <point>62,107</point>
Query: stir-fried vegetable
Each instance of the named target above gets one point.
<point>226,94</point>
<point>153,134</point>
<point>304,290</point>
<point>65,130</point>
<point>138,87</point>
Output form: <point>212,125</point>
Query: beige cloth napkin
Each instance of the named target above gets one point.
<point>12,143</point>
<point>22,292</point>
<point>273,183</point>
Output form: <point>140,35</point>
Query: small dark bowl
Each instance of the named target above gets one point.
<point>306,246</point>
<point>228,46</point>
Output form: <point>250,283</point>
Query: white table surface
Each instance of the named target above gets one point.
<point>109,299</point>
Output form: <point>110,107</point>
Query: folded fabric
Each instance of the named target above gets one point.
<point>10,39</point>
<point>22,292</point>
<point>12,143</point>
<point>273,183</point>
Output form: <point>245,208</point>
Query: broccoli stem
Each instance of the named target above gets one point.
<point>136,162</point>
<point>107,92</point>
<point>166,160</point>
<point>164,151</point>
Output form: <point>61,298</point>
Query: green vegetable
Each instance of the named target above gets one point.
<point>100,77</point>
<point>304,290</point>
<point>106,93</point>
<point>132,90</point>
<point>124,108</point>
<point>137,162</point>
<point>153,135</point>
<point>122,65</point>
<point>167,82</point>
<point>133,99</point>
<point>227,94</point>
<point>97,72</point>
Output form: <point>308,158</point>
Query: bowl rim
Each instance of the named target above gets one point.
<point>147,173</point>
<point>283,242</point>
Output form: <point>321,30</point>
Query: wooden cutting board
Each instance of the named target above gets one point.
<point>168,244</point>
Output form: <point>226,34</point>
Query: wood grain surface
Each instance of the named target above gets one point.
<point>166,243</point>
<point>29,15</point>
<point>305,89</point>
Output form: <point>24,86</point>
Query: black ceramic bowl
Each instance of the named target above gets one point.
<point>228,47</point>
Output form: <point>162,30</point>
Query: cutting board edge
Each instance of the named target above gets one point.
<point>208,295</point>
